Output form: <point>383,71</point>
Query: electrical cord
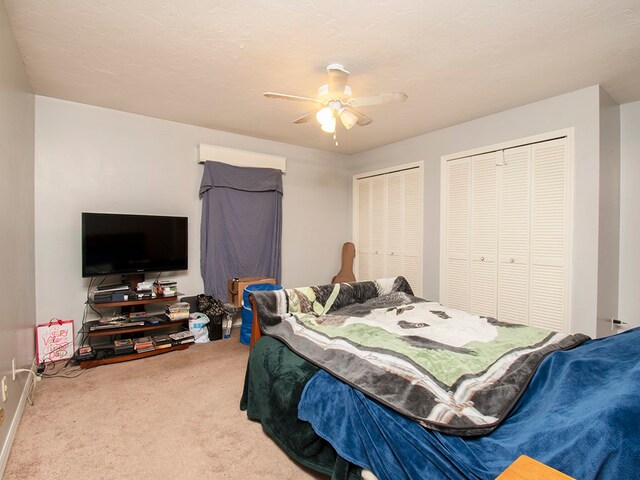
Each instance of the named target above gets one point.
<point>65,371</point>
<point>32,389</point>
<point>89,303</point>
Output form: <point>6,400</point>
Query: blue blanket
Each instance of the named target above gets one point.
<point>580,414</point>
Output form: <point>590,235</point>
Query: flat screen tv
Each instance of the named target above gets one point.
<point>115,243</point>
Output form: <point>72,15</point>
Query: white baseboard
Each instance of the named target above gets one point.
<point>15,421</point>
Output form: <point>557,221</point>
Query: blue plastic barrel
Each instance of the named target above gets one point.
<point>247,313</point>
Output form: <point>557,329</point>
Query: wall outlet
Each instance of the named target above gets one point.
<point>4,386</point>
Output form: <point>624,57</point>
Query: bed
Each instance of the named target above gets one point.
<point>365,375</point>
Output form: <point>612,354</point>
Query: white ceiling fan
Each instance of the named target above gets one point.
<point>335,101</point>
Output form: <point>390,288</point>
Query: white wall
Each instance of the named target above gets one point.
<point>17,281</point>
<point>100,160</point>
<point>629,284</point>
<point>579,109</point>
<point>609,217</point>
<point>94,159</point>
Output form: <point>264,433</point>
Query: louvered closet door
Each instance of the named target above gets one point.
<point>548,234</point>
<point>457,234</point>
<point>389,226</point>
<point>513,236</point>
<point>364,229</point>
<point>506,234</point>
<point>412,229</point>
<point>395,207</point>
<point>484,234</point>
<point>378,201</point>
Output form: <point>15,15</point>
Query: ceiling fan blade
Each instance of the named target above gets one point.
<point>306,117</point>
<point>395,97</point>
<point>362,118</point>
<point>295,98</point>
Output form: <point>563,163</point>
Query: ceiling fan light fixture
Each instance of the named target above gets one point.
<point>329,126</point>
<point>347,118</point>
<point>324,115</point>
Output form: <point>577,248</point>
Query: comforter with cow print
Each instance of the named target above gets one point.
<point>451,371</point>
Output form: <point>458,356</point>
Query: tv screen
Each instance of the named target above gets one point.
<point>123,244</point>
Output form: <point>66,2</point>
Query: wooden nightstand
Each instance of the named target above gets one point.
<point>526,468</point>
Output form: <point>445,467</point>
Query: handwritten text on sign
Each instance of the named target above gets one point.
<point>55,341</point>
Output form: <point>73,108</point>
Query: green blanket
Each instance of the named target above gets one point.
<point>273,385</point>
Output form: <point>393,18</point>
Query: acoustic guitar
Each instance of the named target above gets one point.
<point>346,269</point>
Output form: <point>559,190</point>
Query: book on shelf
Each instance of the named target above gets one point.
<point>177,311</point>
<point>182,337</point>
<point>122,346</point>
<point>145,349</point>
<point>143,344</point>
<point>166,288</point>
<point>162,339</point>
<point>156,320</point>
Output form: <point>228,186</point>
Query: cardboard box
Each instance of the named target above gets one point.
<point>236,287</point>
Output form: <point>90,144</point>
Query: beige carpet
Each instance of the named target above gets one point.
<point>172,416</point>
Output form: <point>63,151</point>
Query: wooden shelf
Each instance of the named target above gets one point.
<point>138,328</point>
<point>131,303</point>
<point>130,356</point>
<point>143,329</point>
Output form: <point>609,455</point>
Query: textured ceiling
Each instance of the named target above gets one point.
<point>207,62</point>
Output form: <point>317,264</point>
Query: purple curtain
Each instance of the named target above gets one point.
<point>241,228</point>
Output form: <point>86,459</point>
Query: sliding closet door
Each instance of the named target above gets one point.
<point>513,236</point>
<point>549,232</point>
<point>484,233</point>
<point>457,233</point>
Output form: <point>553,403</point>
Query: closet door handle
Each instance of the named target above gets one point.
<point>511,261</point>
<point>482,259</point>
